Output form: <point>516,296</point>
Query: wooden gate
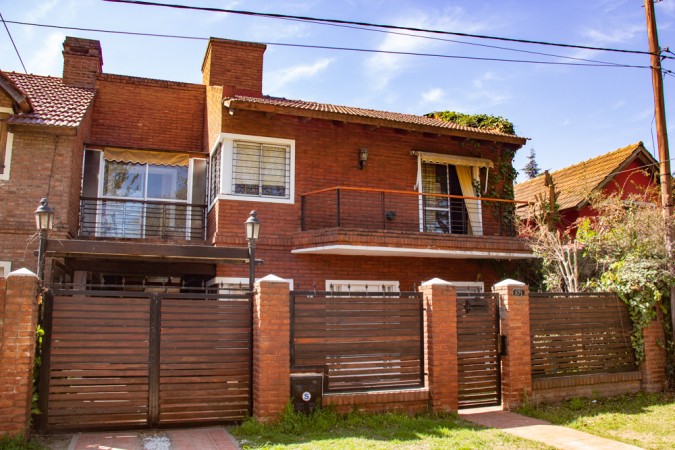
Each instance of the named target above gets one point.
<point>477,349</point>
<point>121,359</point>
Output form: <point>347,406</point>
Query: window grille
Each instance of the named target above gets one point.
<point>261,170</point>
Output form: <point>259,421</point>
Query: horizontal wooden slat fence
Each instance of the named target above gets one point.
<point>361,342</point>
<point>579,333</point>
<point>120,359</point>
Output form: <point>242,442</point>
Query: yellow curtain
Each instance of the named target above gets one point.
<point>473,207</point>
<point>146,157</point>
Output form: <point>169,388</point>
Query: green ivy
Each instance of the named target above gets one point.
<point>482,121</point>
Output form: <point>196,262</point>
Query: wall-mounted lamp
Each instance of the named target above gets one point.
<point>363,157</point>
<point>44,222</point>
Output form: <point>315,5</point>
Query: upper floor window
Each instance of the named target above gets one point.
<point>455,176</point>
<point>5,267</point>
<point>6,142</point>
<point>253,168</point>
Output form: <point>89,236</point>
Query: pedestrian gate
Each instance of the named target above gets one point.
<point>477,349</point>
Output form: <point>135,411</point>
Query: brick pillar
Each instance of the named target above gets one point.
<point>18,320</point>
<point>515,325</point>
<point>440,303</point>
<point>271,347</point>
<point>653,367</point>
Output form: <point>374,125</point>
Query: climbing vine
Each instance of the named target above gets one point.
<point>482,121</point>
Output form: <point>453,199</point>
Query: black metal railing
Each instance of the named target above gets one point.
<point>141,219</point>
<point>407,211</point>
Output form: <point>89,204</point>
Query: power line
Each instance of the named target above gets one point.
<point>12,39</point>
<point>351,49</point>
<point>398,33</point>
<point>367,24</point>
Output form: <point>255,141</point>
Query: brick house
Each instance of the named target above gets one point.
<point>629,170</point>
<point>151,180</point>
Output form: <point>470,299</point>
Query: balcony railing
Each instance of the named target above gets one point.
<point>407,212</point>
<point>136,219</point>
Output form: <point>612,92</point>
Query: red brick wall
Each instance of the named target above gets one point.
<point>18,304</point>
<point>148,114</point>
<point>43,165</point>
<point>593,385</point>
<point>653,367</point>
<point>235,65</point>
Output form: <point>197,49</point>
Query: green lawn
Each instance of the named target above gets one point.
<point>644,420</point>
<point>327,430</point>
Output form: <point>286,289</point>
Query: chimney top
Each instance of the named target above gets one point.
<point>82,61</point>
<point>237,66</point>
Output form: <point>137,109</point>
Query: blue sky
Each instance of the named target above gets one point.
<point>569,113</point>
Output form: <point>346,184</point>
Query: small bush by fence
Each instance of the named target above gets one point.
<point>579,333</point>
<point>361,341</point>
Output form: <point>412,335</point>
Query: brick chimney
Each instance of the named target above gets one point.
<point>82,61</point>
<point>235,65</point>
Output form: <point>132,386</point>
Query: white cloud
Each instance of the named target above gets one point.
<point>381,68</point>
<point>616,34</point>
<point>47,59</point>
<point>42,10</point>
<point>434,95</point>
<point>278,79</point>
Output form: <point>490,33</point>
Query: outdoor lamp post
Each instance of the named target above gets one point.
<point>252,233</point>
<point>44,221</point>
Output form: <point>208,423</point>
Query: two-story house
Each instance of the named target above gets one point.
<point>152,180</point>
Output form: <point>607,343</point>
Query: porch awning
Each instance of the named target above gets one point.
<point>145,157</point>
<point>455,160</point>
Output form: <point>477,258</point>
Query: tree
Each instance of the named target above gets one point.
<point>553,244</point>
<point>531,169</point>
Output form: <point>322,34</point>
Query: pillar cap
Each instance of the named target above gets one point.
<point>21,273</point>
<point>273,279</point>
<point>510,282</point>
<point>436,282</point>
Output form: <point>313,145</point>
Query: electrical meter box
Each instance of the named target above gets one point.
<point>306,391</point>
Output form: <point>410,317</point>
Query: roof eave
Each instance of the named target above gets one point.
<point>234,104</point>
<point>18,97</point>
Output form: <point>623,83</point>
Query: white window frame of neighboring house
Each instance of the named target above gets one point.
<point>469,286</point>
<point>6,268</point>
<point>374,286</point>
<point>237,283</point>
<point>225,144</point>
<point>475,164</point>
<point>4,176</point>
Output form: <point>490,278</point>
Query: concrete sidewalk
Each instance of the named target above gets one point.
<point>211,438</point>
<point>539,430</point>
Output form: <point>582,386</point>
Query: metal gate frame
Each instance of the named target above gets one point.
<point>154,343</point>
<point>482,302</point>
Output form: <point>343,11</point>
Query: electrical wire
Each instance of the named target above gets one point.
<point>12,39</point>
<point>352,49</point>
<point>368,24</point>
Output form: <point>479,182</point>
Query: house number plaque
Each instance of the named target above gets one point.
<point>518,292</point>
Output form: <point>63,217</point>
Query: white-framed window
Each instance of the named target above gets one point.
<point>236,285</point>
<point>5,268</point>
<point>6,143</point>
<point>254,168</point>
<point>451,175</point>
<point>374,286</point>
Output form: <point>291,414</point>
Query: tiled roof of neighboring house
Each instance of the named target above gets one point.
<point>364,113</point>
<point>54,104</point>
<point>576,182</point>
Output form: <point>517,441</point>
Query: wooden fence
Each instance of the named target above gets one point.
<point>579,333</point>
<point>361,341</point>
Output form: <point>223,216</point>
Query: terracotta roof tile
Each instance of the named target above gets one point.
<point>362,112</point>
<point>54,104</point>
<point>576,182</point>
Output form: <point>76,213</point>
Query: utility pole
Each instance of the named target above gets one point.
<point>662,139</point>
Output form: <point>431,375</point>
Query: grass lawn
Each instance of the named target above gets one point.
<point>327,430</point>
<point>644,420</point>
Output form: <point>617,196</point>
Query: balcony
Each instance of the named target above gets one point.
<point>363,221</point>
<point>135,219</point>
